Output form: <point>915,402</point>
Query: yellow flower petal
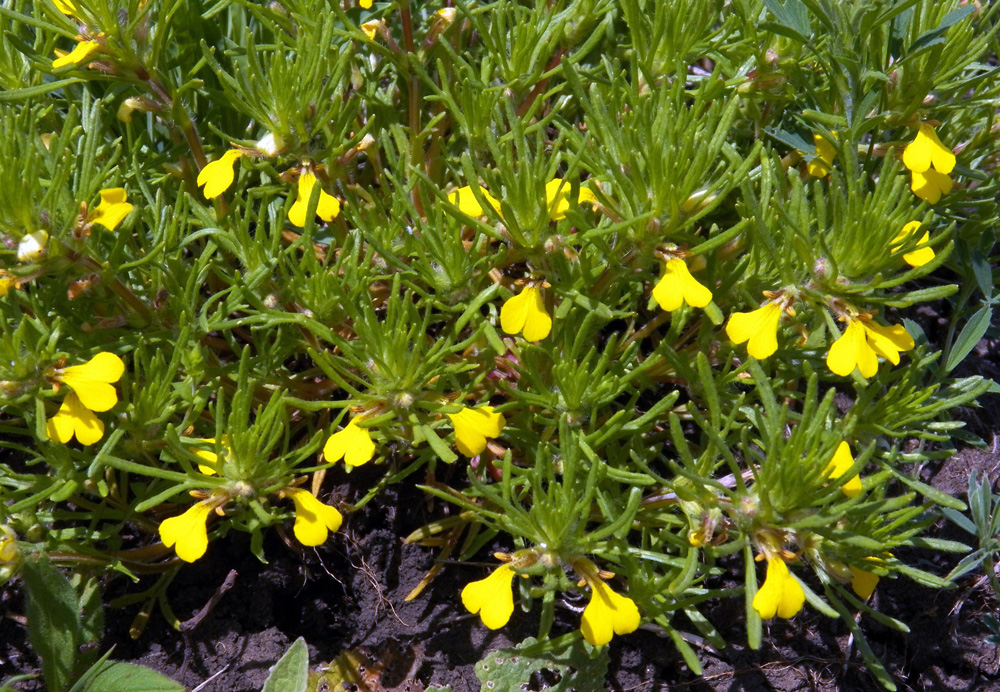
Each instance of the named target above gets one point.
<point>819,167</point>
<point>492,597</point>
<point>840,464</point>
<point>32,246</point>
<point>888,341</point>
<point>313,519</point>
<point>465,199</point>
<point>73,418</point>
<point>759,327</point>
<point>8,545</point>
<point>327,208</point>
<point>915,258</point>
<point>930,185</point>
<point>781,594</point>
<point>557,198</point>
<point>218,175</point>
<point>365,4</point>
<point>851,351</point>
<point>78,55</point>
<point>926,150</point>
<point>473,426</point>
<point>112,208</point>
<point>863,583</point>
<point>371,28</point>
<point>209,456</point>
<point>91,380</point>
<point>6,284</point>
<point>526,311</point>
<point>607,613</point>
<point>677,286</point>
<point>354,444</point>
<point>188,532</point>
<point>67,7</point>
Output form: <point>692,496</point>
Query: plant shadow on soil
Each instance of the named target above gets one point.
<point>349,594</point>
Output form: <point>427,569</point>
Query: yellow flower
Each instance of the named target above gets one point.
<point>465,199</point>
<point>78,55</point>
<point>473,426</point>
<point>556,192</point>
<point>926,150</point>
<point>759,327</point>
<point>781,594</point>
<point>677,286</point>
<point>67,7</point>
<point>210,456</point>
<point>73,418</point>
<point>112,208</point>
<point>920,256</point>
<point>819,167</point>
<point>492,597</point>
<point>930,163</point>
<point>92,380</point>
<point>861,342</point>
<point>371,28</point>
<point>930,185</point>
<point>526,311</point>
<point>607,613</point>
<point>354,444</point>
<point>188,531</point>
<point>327,208</point>
<point>218,175</point>
<point>6,283</point>
<point>863,583</point>
<point>8,545</point>
<point>313,519</point>
<point>365,4</point>
<point>840,464</point>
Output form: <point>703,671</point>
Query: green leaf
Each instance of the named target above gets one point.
<point>53,621</point>
<point>935,36</point>
<point>967,339</point>
<point>112,676</point>
<point>793,15</point>
<point>438,445</point>
<point>291,672</point>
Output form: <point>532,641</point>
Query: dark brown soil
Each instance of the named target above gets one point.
<point>349,594</point>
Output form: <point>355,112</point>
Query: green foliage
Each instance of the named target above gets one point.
<point>675,182</point>
<point>571,665</point>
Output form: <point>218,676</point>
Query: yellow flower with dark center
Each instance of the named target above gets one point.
<point>353,444</point>
<point>607,614</point>
<point>91,381</point>
<point>473,426</point>
<point>781,593</point>
<point>861,343</point>
<point>73,418</point>
<point>188,531</point>
<point>922,255</point>
<point>327,208</point>
<point>313,520</point>
<point>819,167</point>
<point>526,312</point>
<point>112,209</point>
<point>218,175</point>
<point>840,464</point>
<point>930,162</point>
<point>557,198</point>
<point>492,597</point>
<point>465,199</point>
<point>758,327</point>
<point>863,583</point>
<point>80,54</point>
<point>677,287</point>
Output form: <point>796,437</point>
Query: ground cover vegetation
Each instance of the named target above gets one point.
<point>644,272</point>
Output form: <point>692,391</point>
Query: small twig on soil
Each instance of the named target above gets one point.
<point>188,626</point>
<point>213,677</point>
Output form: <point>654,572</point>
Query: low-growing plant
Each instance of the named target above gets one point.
<point>646,273</point>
